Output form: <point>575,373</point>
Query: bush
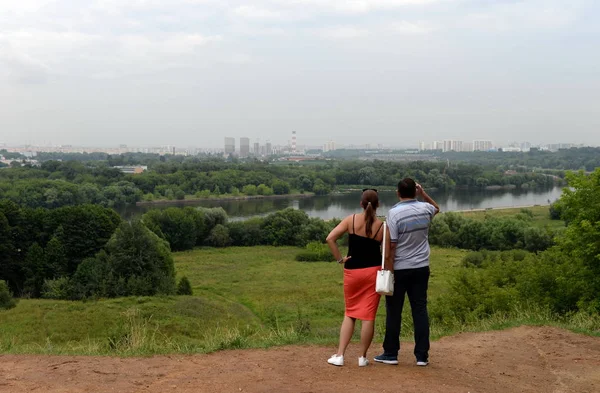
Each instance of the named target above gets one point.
<point>59,288</point>
<point>246,233</point>
<point>184,287</point>
<point>473,259</point>
<point>250,190</point>
<point>6,299</point>
<point>263,189</point>
<point>175,225</point>
<point>315,252</point>
<point>309,256</point>
<point>219,236</point>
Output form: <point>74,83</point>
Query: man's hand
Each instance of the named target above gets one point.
<point>419,190</point>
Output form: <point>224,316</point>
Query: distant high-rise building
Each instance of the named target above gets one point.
<point>467,147</point>
<point>329,146</point>
<point>452,145</point>
<point>479,145</point>
<point>244,147</point>
<point>438,145</point>
<point>447,145</point>
<point>269,149</point>
<point>293,144</point>
<point>256,149</point>
<point>229,145</point>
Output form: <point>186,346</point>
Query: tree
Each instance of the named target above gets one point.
<point>174,225</point>
<point>35,266</point>
<point>141,259</point>
<point>320,188</point>
<point>263,189</point>
<point>219,236</point>
<point>184,287</point>
<point>281,187</point>
<point>250,190</point>
<point>56,258</point>
<point>580,207</point>
<point>6,299</point>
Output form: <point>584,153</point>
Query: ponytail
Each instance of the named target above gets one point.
<point>369,219</point>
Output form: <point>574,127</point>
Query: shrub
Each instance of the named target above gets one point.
<point>315,252</point>
<point>309,256</point>
<point>6,299</point>
<point>263,189</point>
<point>59,288</point>
<point>473,259</point>
<point>246,233</point>
<point>184,287</point>
<point>219,236</point>
<point>249,189</point>
<point>175,225</point>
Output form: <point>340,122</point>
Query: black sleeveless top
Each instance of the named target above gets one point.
<point>365,251</point>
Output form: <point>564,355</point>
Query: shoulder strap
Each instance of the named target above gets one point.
<point>353,229</point>
<point>375,235</point>
<point>383,247</point>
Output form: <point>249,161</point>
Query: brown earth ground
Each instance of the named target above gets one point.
<point>524,359</point>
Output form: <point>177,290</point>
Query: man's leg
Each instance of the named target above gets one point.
<point>417,295</point>
<point>393,320</point>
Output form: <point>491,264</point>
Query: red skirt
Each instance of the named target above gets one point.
<point>359,293</point>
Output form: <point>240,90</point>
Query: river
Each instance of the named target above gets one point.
<point>341,205</point>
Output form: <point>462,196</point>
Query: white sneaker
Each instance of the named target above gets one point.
<point>336,360</point>
<point>363,361</point>
<point>422,364</point>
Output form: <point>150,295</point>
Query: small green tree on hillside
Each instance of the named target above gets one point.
<point>142,259</point>
<point>6,299</point>
<point>184,287</point>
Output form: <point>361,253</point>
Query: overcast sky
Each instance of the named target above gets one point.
<point>188,72</point>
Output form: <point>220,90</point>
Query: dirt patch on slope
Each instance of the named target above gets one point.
<point>524,359</point>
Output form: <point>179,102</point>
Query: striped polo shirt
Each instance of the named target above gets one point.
<point>408,223</point>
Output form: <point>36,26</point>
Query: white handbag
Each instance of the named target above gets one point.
<point>385,278</point>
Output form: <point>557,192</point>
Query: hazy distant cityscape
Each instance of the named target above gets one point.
<point>247,147</point>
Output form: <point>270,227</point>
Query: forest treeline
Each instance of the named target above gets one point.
<point>70,182</point>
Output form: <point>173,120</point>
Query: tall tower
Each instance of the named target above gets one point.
<point>269,148</point>
<point>244,147</point>
<point>229,145</point>
<point>293,142</point>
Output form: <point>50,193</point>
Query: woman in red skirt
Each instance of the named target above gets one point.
<point>360,273</point>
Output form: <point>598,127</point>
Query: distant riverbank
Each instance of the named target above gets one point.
<point>221,199</point>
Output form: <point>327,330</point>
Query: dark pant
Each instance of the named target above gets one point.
<point>413,282</point>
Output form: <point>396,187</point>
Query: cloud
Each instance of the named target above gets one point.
<point>342,32</point>
<point>529,15</point>
<point>254,12</point>
<point>22,68</point>
<point>406,27</point>
<point>362,6</point>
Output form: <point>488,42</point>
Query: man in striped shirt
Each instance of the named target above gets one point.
<point>408,222</point>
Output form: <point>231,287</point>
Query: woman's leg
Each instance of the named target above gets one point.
<point>366,336</point>
<point>345,334</point>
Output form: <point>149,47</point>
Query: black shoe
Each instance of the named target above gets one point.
<point>386,359</point>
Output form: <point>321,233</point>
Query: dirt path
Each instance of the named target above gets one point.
<point>524,359</point>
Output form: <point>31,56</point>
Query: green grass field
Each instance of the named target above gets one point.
<point>243,297</point>
<point>541,215</point>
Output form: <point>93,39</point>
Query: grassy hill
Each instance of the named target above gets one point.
<point>255,296</point>
<point>243,297</point>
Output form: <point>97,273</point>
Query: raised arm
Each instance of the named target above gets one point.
<point>427,198</point>
<point>332,238</point>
